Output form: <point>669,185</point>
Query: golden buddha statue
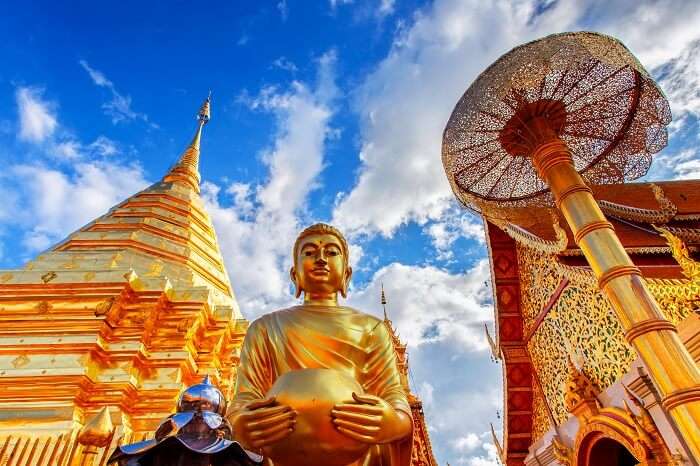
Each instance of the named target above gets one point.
<point>318,383</point>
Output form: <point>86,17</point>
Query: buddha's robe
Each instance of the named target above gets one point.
<point>320,337</point>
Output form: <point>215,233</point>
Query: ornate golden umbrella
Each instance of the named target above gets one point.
<point>538,122</point>
<point>585,89</point>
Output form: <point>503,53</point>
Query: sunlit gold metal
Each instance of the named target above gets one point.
<point>320,376</point>
<point>125,312</point>
<point>575,101</point>
<point>94,435</point>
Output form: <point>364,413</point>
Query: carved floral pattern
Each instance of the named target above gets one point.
<point>581,324</point>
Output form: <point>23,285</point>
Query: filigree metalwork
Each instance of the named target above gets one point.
<point>531,240</point>
<point>580,323</point>
<point>537,284</point>
<point>688,234</point>
<point>540,418</point>
<point>667,209</point>
<point>580,397</point>
<point>593,93</point>
<point>690,267</point>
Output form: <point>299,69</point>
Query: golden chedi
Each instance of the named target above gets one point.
<point>318,383</point>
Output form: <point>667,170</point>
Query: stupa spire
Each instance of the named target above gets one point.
<point>386,317</point>
<point>186,170</point>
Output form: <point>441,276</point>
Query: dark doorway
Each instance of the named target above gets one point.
<point>608,452</point>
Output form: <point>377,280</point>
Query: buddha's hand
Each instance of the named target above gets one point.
<point>369,419</point>
<point>263,422</point>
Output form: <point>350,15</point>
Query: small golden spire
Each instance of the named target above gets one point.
<point>98,431</point>
<point>495,354</point>
<point>497,444</point>
<point>386,318</point>
<point>186,170</point>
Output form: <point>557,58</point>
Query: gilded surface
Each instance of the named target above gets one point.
<point>538,282</point>
<point>96,322</point>
<point>666,211</point>
<point>540,418</point>
<point>348,363</point>
<point>581,324</point>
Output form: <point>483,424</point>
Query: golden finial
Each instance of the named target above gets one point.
<point>497,444</point>
<point>495,354</point>
<point>98,431</point>
<point>386,318</point>
<point>187,168</point>
<point>204,113</point>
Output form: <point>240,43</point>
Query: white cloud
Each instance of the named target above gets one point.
<point>257,229</point>
<point>119,107</point>
<point>455,223</point>
<point>243,40</point>
<point>467,443</point>
<point>386,7</point>
<point>335,3</point>
<point>68,150</point>
<point>405,103</point>
<point>37,119</point>
<point>48,202</point>
<point>429,305</point>
<point>104,146</point>
<point>285,64</point>
<point>51,203</point>
<point>73,150</point>
<point>490,458</point>
<point>283,8</point>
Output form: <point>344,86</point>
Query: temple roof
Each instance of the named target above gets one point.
<point>162,231</point>
<point>632,209</point>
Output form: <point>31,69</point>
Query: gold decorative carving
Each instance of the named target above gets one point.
<point>540,418</point>
<point>667,209</point>
<point>580,322</point>
<point>43,307</point>
<point>636,432</point>
<point>495,353</point>
<point>48,276</point>
<point>678,298</point>
<point>104,307</point>
<point>581,394</point>
<point>531,240</point>
<point>20,361</point>
<point>563,454</point>
<point>497,444</point>
<point>538,282</point>
<point>688,234</point>
<point>690,268</point>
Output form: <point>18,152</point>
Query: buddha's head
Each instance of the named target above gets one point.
<point>321,268</point>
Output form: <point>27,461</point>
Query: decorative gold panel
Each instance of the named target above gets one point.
<point>540,419</point>
<point>537,283</point>
<point>581,324</point>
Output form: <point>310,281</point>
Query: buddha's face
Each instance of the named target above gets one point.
<point>320,266</point>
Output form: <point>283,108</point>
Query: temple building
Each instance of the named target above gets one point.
<point>575,393</point>
<point>100,334</point>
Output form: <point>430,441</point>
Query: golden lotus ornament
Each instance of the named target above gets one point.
<point>313,393</point>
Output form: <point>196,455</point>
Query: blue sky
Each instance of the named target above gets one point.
<point>329,110</point>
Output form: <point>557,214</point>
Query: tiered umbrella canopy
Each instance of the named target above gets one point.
<point>591,91</point>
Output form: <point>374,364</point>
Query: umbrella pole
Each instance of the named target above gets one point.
<point>654,338</point>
